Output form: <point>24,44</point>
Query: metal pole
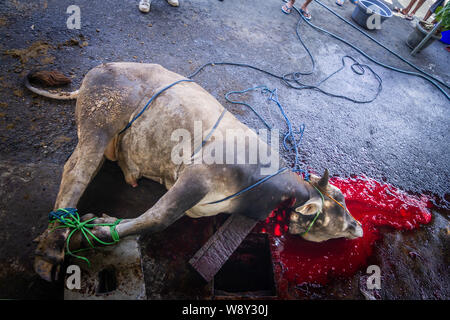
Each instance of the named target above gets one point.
<point>424,40</point>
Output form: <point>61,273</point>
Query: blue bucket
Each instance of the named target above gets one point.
<point>445,37</point>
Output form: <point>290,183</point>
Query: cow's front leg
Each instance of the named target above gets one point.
<point>190,188</point>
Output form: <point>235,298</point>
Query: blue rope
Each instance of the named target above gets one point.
<point>290,143</point>
<point>289,137</point>
<point>61,214</point>
<point>247,105</point>
<point>210,133</point>
<point>249,188</point>
<point>151,100</point>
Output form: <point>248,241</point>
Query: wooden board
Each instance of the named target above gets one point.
<point>216,251</point>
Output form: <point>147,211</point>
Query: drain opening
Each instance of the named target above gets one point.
<point>107,281</point>
<point>249,271</point>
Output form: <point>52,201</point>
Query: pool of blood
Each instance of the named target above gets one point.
<point>372,203</point>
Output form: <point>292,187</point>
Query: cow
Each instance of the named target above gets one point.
<point>112,94</point>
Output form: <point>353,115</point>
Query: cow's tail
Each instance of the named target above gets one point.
<point>63,95</point>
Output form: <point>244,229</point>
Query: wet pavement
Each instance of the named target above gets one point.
<point>401,138</point>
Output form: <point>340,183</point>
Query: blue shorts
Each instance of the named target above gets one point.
<point>436,4</point>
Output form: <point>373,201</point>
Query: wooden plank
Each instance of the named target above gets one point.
<point>216,251</point>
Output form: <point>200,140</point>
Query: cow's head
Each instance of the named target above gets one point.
<point>333,221</point>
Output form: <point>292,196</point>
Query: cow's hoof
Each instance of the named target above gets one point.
<point>50,253</point>
<point>46,270</point>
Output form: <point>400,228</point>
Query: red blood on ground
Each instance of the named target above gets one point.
<point>372,203</point>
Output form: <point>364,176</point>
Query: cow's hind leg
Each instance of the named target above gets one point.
<point>81,167</point>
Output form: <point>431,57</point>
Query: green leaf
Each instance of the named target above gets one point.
<point>443,16</point>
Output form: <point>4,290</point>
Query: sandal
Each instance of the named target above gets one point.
<point>398,10</point>
<point>173,3</point>
<point>305,14</point>
<point>340,2</point>
<point>144,6</point>
<point>286,9</point>
<point>409,17</point>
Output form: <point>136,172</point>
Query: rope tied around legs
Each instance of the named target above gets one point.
<point>69,218</point>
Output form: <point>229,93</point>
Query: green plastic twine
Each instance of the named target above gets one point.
<point>73,221</point>
<point>317,214</point>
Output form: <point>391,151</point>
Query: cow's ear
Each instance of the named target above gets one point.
<point>323,182</point>
<point>311,206</point>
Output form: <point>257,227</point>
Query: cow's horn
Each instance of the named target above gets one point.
<point>323,182</point>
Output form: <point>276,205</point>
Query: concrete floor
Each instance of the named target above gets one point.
<point>400,138</point>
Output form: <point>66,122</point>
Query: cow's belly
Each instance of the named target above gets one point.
<point>140,156</point>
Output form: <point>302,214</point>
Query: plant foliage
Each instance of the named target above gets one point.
<point>443,16</point>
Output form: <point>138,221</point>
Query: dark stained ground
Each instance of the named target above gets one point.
<point>401,138</point>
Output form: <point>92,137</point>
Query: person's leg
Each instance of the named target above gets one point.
<point>433,8</point>
<point>427,16</point>
<point>144,5</point>
<point>419,4</point>
<point>305,5</point>
<point>407,9</point>
<point>287,7</point>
